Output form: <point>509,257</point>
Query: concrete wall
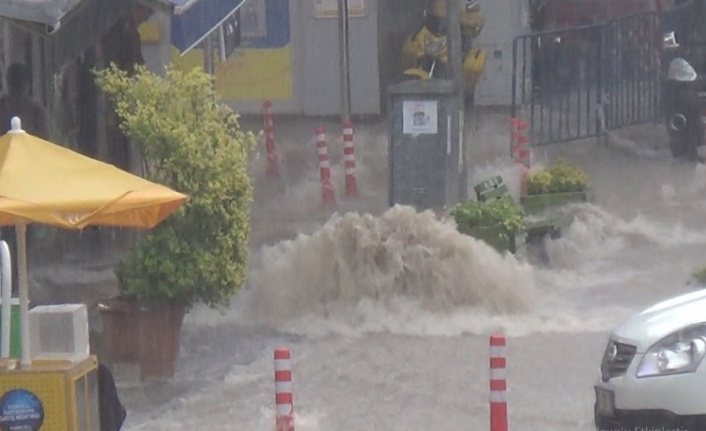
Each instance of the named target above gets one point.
<point>374,54</point>
<point>322,71</point>
<point>505,20</point>
<point>157,56</point>
<point>316,65</point>
<point>295,105</point>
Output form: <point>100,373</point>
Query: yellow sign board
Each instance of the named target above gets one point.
<point>256,74</point>
<point>251,74</point>
<point>259,69</point>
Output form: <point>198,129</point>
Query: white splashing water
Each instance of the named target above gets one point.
<point>303,197</point>
<point>631,146</point>
<point>687,190</point>
<point>295,205</point>
<point>407,318</point>
<point>407,272</point>
<point>502,167</point>
<point>699,178</point>
<point>399,254</point>
<point>596,234</point>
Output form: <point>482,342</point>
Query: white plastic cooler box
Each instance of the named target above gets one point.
<point>59,332</point>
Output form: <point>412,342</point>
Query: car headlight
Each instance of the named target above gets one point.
<point>678,353</point>
<point>681,70</point>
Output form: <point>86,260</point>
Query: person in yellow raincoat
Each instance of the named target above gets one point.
<point>425,55</point>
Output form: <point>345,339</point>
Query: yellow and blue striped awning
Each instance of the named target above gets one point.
<point>193,20</point>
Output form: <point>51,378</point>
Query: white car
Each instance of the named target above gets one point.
<point>651,375</point>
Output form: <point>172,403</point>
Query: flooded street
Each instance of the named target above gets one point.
<point>387,311</point>
<point>388,315</point>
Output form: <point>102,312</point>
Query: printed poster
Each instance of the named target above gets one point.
<point>420,117</point>
<point>21,410</point>
<point>261,67</point>
<point>329,8</point>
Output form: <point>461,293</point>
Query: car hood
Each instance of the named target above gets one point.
<point>651,325</point>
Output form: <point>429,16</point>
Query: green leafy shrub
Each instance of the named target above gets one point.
<point>539,182</point>
<point>501,211</point>
<point>193,144</point>
<point>562,177</point>
<point>699,275</point>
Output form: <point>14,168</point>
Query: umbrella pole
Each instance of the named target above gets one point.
<point>24,290</point>
<point>6,289</point>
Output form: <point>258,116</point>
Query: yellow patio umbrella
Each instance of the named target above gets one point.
<point>41,182</point>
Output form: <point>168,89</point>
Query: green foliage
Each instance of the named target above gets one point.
<point>501,211</point>
<point>540,182</point>
<point>193,144</point>
<point>562,177</point>
<point>699,275</point>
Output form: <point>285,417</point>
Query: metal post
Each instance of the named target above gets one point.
<point>222,44</point>
<point>454,44</point>
<point>456,169</point>
<point>345,67</point>
<point>6,292</point>
<point>498,384</point>
<point>284,399</point>
<point>208,55</point>
<point>23,285</point>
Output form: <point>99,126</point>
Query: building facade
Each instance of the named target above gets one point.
<point>288,53</point>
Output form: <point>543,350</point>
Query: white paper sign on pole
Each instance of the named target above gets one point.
<point>461,133</point>
<point>329,8</point>
<point>420,117</point>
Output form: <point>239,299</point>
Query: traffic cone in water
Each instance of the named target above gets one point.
<point>327,193</point>
<point>349,160</point>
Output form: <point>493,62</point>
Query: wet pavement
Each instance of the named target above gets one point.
<point>386,354</point>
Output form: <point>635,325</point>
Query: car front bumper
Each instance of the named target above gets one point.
<point>647,420</point>
<point>666,402</point>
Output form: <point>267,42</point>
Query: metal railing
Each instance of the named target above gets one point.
<point>580,82</point>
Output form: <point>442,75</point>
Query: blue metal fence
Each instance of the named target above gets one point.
<point>579,82</point>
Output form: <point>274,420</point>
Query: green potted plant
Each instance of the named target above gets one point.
<point>193,143</point>
<point>496,221</point>
<point>548,191</point>
<point>559,184</point>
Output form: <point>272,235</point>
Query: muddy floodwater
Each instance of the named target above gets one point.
<point>387,311</point>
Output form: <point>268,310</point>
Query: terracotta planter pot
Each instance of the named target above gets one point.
<point>159,340</point>
<point>148,335</point>
<point>119,318</point>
